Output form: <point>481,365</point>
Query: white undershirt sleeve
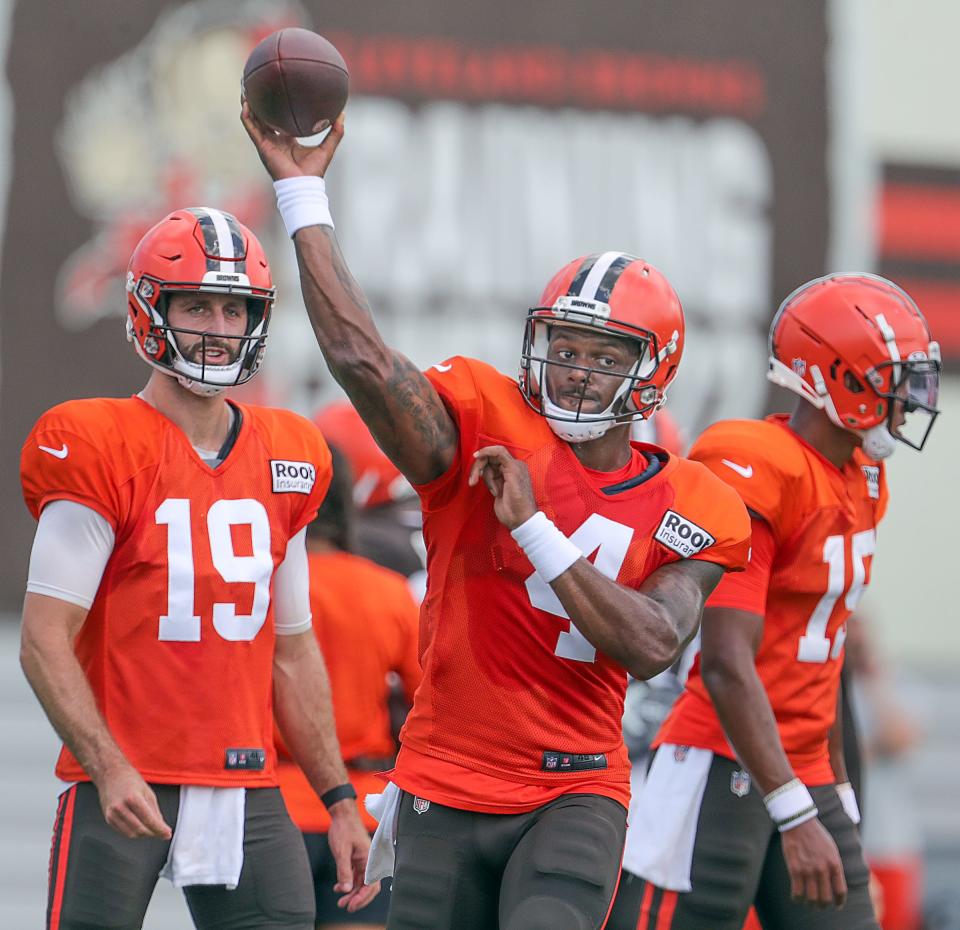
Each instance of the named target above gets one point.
<point>291,589</point>
<point>71,548</point>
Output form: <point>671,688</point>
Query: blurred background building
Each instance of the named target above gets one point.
<point>743,146</point>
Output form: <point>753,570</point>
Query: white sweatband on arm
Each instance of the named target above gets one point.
<point>790,805</point>
<point>848,799</point>
<point>70,551</point>
<point>549,551</point>
<point>291,589</point>
<point>303,202</point>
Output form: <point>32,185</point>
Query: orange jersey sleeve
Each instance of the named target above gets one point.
<point>483,405</point>
<point>747,590</point>
<point>707,521</point>
<point>758,460</point>
<point>67,457</point>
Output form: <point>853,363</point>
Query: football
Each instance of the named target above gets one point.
<point>296,81</point>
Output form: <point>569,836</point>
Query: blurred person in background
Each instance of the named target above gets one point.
<point>167,615</point>
<point>389,525</point>
<point>508,801</point>
<point>366,622</point>
<point>892,840</point>
<point>747,800</point>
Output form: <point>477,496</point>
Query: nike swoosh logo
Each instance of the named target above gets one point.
<point>745,471</point>
<point>443,368</point>
<point>56,453</point>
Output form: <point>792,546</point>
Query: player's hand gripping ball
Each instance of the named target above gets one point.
<point>296,82</point>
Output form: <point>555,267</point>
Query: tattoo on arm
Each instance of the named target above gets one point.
<point>394,398</point>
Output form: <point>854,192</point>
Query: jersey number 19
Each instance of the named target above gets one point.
<point>181,623</point>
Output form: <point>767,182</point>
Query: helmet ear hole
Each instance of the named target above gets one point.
<point>851,383</point>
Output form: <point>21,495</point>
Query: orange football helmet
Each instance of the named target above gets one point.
<point>198,249</point>
<point>615,294</point>
<point>857,347</point>
<point>376,480</point>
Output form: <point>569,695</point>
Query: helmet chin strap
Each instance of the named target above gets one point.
<point>197,387</point>
<point>574,430</point>
<point>878,442</point>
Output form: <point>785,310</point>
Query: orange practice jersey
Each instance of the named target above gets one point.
<point>823,522</point>
<point>367,623</point>
<point>178,644</point>
<point>511,690</point>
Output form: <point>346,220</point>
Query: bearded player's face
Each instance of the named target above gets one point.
<point>220,318</point>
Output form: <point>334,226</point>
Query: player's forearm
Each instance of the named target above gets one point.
<point>55,675</point>
<point>304,712</point>
<point>340,315</point>
<point>838,762</point>
<point>629,627</point>
<point>398,403</point>
<point>748,720</point>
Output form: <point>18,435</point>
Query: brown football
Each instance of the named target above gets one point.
<point>296,81</point>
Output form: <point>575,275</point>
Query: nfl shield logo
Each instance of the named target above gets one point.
<point>799,365</point>
<point>740,783</point>
<point>421,805</point>
<point>680,753</point>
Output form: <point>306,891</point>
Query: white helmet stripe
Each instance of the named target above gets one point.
<point>599,269</point>
<point>224,237</point>
<point>890,338</point>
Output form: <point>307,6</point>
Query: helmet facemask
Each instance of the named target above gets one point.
<point>635,397</point>
<point>162,349</point>
<point>911,397</point>
<point>198,250</point>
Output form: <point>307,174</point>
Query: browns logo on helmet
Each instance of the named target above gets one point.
<point>205,250</point>
<point>857,347</point>
<point>614,294</point>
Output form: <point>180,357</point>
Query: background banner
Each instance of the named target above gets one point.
<point>487,144</point>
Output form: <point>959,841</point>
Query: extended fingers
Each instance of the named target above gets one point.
<point>498,454</point>
<point>253,126</point>
<point>334,137</point>
<point>839,884</point>
<point>359,898</point>
<point>476,470</point>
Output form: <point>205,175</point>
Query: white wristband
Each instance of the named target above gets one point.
<point>303,202</point>
<point>848,799</point>
<point>549,551</point>
<point>790,805</point>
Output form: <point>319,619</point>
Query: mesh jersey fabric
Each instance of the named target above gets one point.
<point>506,676</point>
<point>178,644</point>
<point>367,624</point>
<point>823,520</point>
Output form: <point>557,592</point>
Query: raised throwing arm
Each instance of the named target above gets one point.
<point>398,404</point>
